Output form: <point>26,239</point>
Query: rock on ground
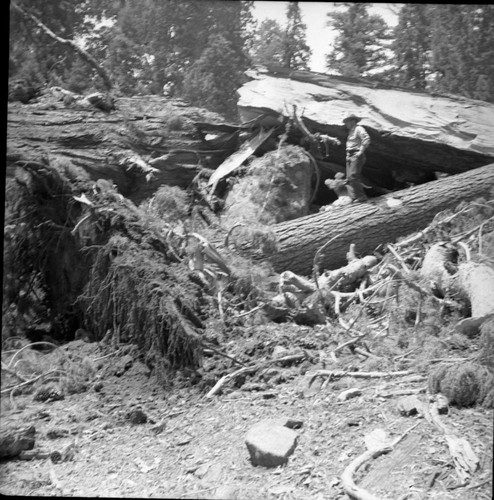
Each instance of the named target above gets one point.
<point>14,441</point>
<point>270,443</point>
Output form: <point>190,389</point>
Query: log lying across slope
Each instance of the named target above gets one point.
<point>142,133</point>
<point>370,224</point>
<point>413,134</point>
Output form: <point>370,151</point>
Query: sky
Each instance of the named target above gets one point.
<point>319,35</point>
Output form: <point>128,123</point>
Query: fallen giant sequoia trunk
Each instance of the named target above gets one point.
<point>413,134</point>
<point>370,224</point>
<point>146,142</point>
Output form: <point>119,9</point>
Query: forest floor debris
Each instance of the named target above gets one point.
<point>191,447</point>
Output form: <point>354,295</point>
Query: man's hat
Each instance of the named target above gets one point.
<point>352,117</point>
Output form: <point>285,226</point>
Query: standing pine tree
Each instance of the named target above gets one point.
<point>296,52</point>
<point>212,80</point>
<point>462,49</point>
<point>484,84</point>
<point>267,46</point>
<point>412,46</point>
<point>359,48</point>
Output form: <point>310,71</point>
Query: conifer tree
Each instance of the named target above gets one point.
<point>359,48</point>
<point>296,52</point>
<point>212,80</point>
<point>462,50</point>
<point>412,46</point>
<point>267,47</point>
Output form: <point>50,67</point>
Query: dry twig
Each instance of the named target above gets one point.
<point>332,374</point>
<point>27,382</point>
<point>400,259</point>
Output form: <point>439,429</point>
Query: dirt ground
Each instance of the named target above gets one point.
<point>192,446</point>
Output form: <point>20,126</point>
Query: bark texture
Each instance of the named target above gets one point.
<point>413,134</point>
<point>369,225</point>
<point>124,146</point>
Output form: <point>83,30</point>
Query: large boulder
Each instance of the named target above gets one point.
<point>276,187</point>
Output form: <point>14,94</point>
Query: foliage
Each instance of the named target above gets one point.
<point>462,51</point>
<point>29,42</point>
<point>446,48</point>
<point>212,80</point>
<point>142,44</point>
<point>267,47</point>
<point>412,45</point>
<point>296,52</point>
<point>124,62</point>
<point>274,45</point>
<point>359,47</point>
<point>146,44</point>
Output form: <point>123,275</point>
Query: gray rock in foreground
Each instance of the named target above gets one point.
<point>270,444</point>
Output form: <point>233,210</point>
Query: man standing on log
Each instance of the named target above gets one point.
<point>357,142</point>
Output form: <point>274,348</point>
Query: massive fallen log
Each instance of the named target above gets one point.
<point>413,134</point>
<point>369,225</point>
<point>146,142</point>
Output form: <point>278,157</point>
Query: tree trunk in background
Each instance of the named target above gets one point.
<point>370,224</point>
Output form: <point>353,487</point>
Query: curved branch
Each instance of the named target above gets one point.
<point>227,238</point>
<point>81,52</point>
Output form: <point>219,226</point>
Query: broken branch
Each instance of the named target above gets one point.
<point>81,52</point>
<point>341,373</point>
<point>249,369</point>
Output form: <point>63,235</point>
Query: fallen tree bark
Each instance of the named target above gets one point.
<point>146,142</point>
<point>371,224</point>
<point>413,133</point>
